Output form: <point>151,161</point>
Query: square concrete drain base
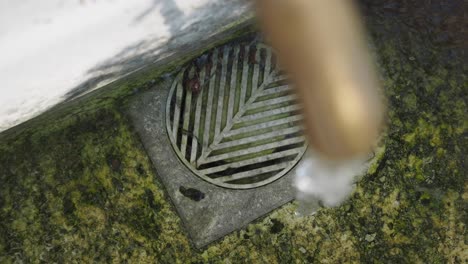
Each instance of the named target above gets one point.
<point>224,136</point>
<point>208,212</point>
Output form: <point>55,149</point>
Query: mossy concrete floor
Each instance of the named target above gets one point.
<point>76,185</point>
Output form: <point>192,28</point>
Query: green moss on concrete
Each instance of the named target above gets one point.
<point>80,188</point>
<point>84,192</point>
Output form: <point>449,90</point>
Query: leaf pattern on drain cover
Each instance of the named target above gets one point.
<point>240,127</point>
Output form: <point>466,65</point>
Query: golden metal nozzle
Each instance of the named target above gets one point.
<point>321,44</point>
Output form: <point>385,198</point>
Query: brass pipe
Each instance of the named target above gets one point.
<point>322,46</point>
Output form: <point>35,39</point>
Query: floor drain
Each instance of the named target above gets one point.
<point>232,118</point>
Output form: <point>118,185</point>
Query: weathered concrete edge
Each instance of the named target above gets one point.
<point>118,91</point>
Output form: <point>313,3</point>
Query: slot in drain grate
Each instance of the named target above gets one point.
<point>232,118</point>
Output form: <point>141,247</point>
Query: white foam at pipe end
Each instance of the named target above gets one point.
<point>331,182</point>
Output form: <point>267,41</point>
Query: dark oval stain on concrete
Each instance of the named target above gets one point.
<point>193,194</point>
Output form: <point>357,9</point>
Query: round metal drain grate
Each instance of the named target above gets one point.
<point>233,119</point>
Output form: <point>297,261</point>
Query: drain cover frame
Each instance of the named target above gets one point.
<point>217,211</point>
<point>233,86</point>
